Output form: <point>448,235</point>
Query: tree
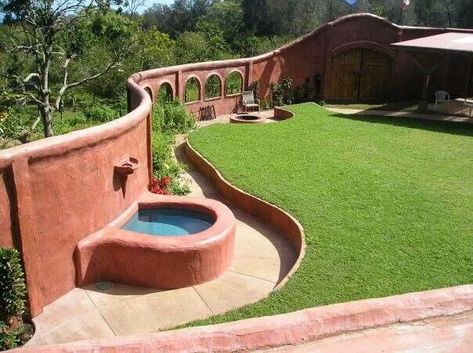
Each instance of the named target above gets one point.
<point>191,47</point>
<point>53,36</point>
<point>464,14</point>
<point>256,16</point>
<point>226,17</point>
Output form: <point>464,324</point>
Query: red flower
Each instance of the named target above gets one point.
<point>160,186</point>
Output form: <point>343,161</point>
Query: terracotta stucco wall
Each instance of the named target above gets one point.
<point>7,233</point>
<point>65,188</point>
<point>311,55</point>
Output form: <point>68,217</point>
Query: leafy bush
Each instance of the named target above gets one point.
<point>13,332</point>
<point>281,93</point>
<point>172,117</point>
<point>12,338</point>
<point>255,87</point>
<point>101,113</point>
<point>12,282</point>
<point>169,119</point>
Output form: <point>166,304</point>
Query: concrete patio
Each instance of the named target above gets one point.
<point>403,114</point>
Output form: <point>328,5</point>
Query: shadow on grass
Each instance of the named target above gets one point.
<point>448,127</point>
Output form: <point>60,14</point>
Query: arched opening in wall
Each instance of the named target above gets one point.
<point>150,93</point>
<point>234,83</point>
<point>165,93</point>
<point>192,93</point>
<point>213,87</point>
<point>359,75</point>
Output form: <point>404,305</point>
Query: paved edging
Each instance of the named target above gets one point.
<point>286,329</point>
<point>263,210</point>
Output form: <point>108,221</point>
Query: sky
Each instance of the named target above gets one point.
<point>148,3</point>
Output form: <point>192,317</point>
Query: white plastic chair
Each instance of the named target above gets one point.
<point>441,97</point>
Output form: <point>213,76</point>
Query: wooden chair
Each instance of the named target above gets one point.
<point>208,113</point>
<point>248,101</point>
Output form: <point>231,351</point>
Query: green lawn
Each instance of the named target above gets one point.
<point>386,203</point>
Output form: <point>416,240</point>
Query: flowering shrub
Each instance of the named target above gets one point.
<point>160,186</point>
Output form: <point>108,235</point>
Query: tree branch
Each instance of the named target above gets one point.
<point>66,86</point>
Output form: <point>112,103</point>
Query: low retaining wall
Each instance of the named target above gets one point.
<point>282,114</point>
<point>266,212</point>
<point>287,329</point>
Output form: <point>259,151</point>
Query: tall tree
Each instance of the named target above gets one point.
<point>53,35</point>
<point>256,16</point>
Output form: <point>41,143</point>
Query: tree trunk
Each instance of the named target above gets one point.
<point>46,108</point>
<point>46,118</point>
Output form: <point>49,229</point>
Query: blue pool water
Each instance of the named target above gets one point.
<point>168,222</point>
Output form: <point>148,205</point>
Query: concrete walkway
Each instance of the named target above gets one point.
<point>402,114</point>
<point>451,334</point>
<point>262,259</point>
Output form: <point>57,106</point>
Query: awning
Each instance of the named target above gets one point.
<point>428,52</point>
<point>445,42</point>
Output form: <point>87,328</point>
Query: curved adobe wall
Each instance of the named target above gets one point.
<point>312,55</point>
<point>61,189</point>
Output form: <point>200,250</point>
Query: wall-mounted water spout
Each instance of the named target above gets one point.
<point>126,167</point>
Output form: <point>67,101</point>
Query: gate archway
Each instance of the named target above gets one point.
<point>359,75</point>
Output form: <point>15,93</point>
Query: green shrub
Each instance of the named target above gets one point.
<point>255,87</point>
<point>101,113</point>
<point>169,119</point>
<point>281,92</point>
<point>12,282</point>
<point>12,338</point>
<point>172,117</point>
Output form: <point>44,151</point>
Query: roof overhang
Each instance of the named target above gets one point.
<point>445,43</point>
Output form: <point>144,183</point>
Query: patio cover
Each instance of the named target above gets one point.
<point>429,51</point>
<point>460,43</point>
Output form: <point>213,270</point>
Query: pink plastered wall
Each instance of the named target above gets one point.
<point>56,191</point>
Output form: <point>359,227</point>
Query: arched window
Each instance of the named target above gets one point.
<point>234,83</point>
<point>165,93</point>
<point>192,90</point>
<point>150,93</point>
<point>213,87</point>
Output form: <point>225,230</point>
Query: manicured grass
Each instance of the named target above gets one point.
<point>386,203</point>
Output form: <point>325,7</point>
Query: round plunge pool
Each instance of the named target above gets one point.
<point>169,222</point>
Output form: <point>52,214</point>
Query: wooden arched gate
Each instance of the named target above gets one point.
<point>359,75</point>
